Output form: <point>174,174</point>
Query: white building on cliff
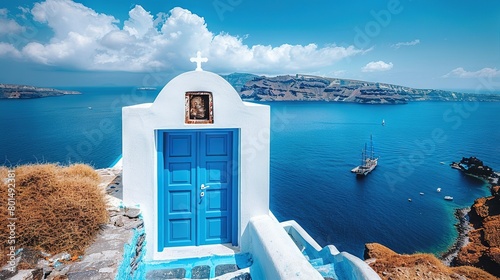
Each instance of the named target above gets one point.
<point>204,196</point>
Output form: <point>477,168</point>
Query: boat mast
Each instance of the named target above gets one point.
<point>371,144</point>
<point>364,155</point>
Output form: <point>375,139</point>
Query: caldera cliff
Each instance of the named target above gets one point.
<point>8,91</point>
<point>314,88</point>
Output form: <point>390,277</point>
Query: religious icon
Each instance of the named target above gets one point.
<point>199,108</point>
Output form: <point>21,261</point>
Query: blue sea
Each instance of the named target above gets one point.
<point>314,145</point>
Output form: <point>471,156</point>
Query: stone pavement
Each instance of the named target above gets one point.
<point>111,181</point>
<point>104,258</point>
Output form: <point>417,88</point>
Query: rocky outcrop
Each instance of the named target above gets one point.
<point>391,265</point>
<point>313,88</point>
<point>483,249</point>
<point>475,255</point>
<point>475,167</point>
<point>27,92</point>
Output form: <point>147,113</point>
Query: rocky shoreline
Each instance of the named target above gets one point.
<point>475,168</point>
<point>464,260</point>
<point>463,227</point>
<point>478,243</point>
<point>475,254</point>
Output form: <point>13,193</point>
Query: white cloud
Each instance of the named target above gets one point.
<point>405,44</point>
<point>376,66</point>
<point>9,49</point>
<point>86,40</point>
<point>65,17</point>
<point>140,22</point>
<point>8,26</point>
<point>483,73</point>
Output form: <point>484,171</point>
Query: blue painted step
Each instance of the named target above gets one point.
<point>316,262</point>
<point>327,271</point>
<point>198,268</point>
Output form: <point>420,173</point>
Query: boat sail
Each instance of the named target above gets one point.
<point>368,162</point>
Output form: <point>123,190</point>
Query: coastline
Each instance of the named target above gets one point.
<point>463,227</point>
<point>8,91</point>
<point>475,168</point>
<point>490,181</point>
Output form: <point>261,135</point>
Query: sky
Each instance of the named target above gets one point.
<point>417,43</point>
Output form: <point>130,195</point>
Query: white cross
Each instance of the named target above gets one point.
<point>198,59</point>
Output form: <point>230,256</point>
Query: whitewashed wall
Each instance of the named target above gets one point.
<point>140,123</point>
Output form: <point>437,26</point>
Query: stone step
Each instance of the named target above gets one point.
<point>201,268</point>
<point>198,272</point>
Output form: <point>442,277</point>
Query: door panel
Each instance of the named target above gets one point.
<point>215,163</point>
<point>197,188</point>
<point>180,177</point>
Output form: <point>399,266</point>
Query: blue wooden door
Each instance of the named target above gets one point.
<point>196,188</point>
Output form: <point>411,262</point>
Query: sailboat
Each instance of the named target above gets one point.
<point>383,122</point>
<point>368,162</point>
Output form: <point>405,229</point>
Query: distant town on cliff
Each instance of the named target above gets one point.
<point>8,91</point>
<point>298,88</point>
<point>313,88</point>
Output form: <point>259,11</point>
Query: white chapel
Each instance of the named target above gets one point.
<point>191,163</point>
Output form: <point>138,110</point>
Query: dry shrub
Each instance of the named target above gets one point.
<point>36,178</point>
<point>3,215</point>
<point>390,265</point>
<point>474,250</point>
<point>492,231</point>
<point>471,272</point>
<point>378,251</point>
<point>57,208</point>
<point>81,170</point>
<point>429,260</point>
<point>3,173</point>
<point>494,254</point>
<point>480,207</point>
<point>387,259</point>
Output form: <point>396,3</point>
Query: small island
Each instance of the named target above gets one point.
<point>474,167</point>
<point>9,91</point>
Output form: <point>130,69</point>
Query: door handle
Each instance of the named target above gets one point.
<point>202,187</point>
